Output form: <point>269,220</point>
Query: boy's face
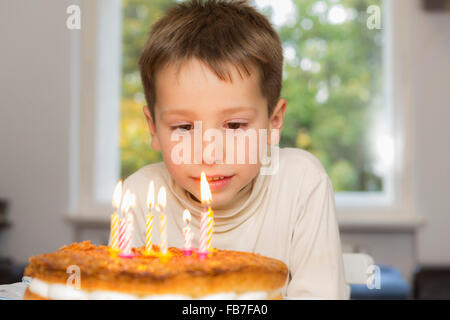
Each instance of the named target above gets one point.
<point>198,95</point>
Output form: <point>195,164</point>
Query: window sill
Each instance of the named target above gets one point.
<point>347,222</point>
<point>379,222</point>
<point>86,221</point>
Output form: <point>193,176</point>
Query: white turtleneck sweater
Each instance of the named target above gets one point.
<point>289,215</point>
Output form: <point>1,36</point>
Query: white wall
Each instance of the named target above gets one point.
<point>34,125</point>
<point>431,52</point>
<point>34,136</point>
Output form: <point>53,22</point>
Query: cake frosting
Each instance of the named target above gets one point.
<point>224,275</point>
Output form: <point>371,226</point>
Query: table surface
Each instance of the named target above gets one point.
<point>14,291</point>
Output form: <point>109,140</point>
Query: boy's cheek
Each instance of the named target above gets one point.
<point>155,143</point>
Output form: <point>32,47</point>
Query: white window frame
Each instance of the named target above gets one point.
<point>397,210</point>
<point>95,116</point>
<point>95,110</point>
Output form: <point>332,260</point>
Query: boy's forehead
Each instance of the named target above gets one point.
<point>193,83</point>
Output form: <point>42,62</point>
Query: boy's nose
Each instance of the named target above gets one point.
<point>208,158</point>
<point>211,150</point>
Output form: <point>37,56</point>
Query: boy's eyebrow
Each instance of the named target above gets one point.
<point>189,112</point>
<point>176,112</point>
<point>237,109</point>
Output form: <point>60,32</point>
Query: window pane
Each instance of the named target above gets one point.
<point>332,82</point>
<point>138,16</point>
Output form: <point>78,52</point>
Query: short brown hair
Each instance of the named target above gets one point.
<point>216,32</point>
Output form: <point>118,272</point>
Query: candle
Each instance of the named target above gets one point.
<point>162,220</point>
<point>115,220</point>
<point>187,232</point>
<point>210,228</point>
<point>203,249</point>
<point>123,224</point>
<point>206,200</point>
<point>149,218</point>
<point>130,229</point>
<point>127,225</point>
<point>206,219</point>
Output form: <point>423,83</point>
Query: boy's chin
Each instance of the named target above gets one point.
<point>219,199</point>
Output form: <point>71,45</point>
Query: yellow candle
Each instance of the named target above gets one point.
<point>149,218</point>
<point>115,221</point>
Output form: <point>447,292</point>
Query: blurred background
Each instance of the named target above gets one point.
<point>367,84</point>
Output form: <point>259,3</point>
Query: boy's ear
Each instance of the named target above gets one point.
<point>152,127</point>
<point>276,121</point>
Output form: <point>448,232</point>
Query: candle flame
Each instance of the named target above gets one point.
<point>117,194</point>
<point>151,195</point>
<point>186,216</point>
<point>127,201</point>
<point>205,191</point>
<point>162,197</point>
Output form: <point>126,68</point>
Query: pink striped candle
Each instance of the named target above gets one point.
<point>187,232</point>
<point>203,247</point>
<point>126,225</point>
<point>210,228</point>
<point>122,233</point>
<point>206,221</point>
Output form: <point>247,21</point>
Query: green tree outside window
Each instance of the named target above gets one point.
<point>332,82</point>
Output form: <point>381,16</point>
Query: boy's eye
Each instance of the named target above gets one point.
<point>183,127</point>
<point>236,125</point>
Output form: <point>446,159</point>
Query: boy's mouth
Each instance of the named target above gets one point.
<point>216,182</point>
<point>214,177</point>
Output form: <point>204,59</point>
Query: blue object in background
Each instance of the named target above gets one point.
<point>392,286</point>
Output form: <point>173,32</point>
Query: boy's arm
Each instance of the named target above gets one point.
<point>316,264</point>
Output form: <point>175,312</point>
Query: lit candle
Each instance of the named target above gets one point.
<point>123,224</point>
<point>187,232</point>
<point>115,220</point>
<point>127,224</point>
<point>210,228</point>
<point>162,220</point>
<point>206,219</point>
<point>149,219</point>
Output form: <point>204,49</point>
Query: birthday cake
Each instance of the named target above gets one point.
<point>224,274</point>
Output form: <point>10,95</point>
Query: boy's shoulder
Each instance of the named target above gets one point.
<point>296,161</point>
<point>154,171</point>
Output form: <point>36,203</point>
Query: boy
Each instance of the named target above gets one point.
<point>217,66</point>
